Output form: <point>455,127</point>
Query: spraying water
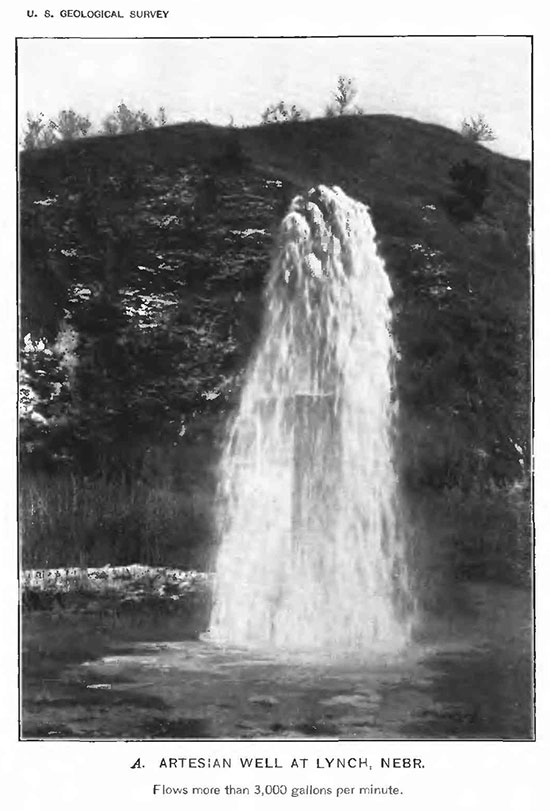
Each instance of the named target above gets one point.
<point>312,553</point>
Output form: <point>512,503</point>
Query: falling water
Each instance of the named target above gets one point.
<point>312,553</point>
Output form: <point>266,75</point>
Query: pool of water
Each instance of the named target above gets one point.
<point>466,675</point>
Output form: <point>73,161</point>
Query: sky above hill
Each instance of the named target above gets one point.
<point>436,79</point>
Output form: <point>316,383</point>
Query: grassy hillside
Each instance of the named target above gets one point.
<point>155,247</point>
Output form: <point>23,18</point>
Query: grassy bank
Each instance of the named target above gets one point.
<point>74,521</point>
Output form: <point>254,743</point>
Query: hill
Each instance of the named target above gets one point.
<point>147,253</point>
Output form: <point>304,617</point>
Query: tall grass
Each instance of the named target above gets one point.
<point>458,535</point>
<point>70,520</point>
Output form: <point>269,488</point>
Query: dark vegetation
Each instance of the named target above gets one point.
<point>139,274</point>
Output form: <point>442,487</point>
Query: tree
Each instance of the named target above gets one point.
<point>477,129</point>
<point>67,126</point>
<point>281,112</point>
<point>44,398</point>
<point>343,98</point>
<point>125,120</point>
<point>70,125</point>
<point>161,118</point>
<point>37,134</point>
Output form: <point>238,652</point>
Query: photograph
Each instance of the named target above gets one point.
<point>275,401</point>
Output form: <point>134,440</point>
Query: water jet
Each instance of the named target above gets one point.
<point>312,552</point>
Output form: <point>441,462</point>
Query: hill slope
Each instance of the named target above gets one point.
<point>155,247</point>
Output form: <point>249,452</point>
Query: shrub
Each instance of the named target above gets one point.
<point>471,186</point>
<point>477,129</point>
<point>281,112</point>
<point>232,157</point>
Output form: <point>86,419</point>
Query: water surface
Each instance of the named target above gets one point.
<point>467,675</point>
